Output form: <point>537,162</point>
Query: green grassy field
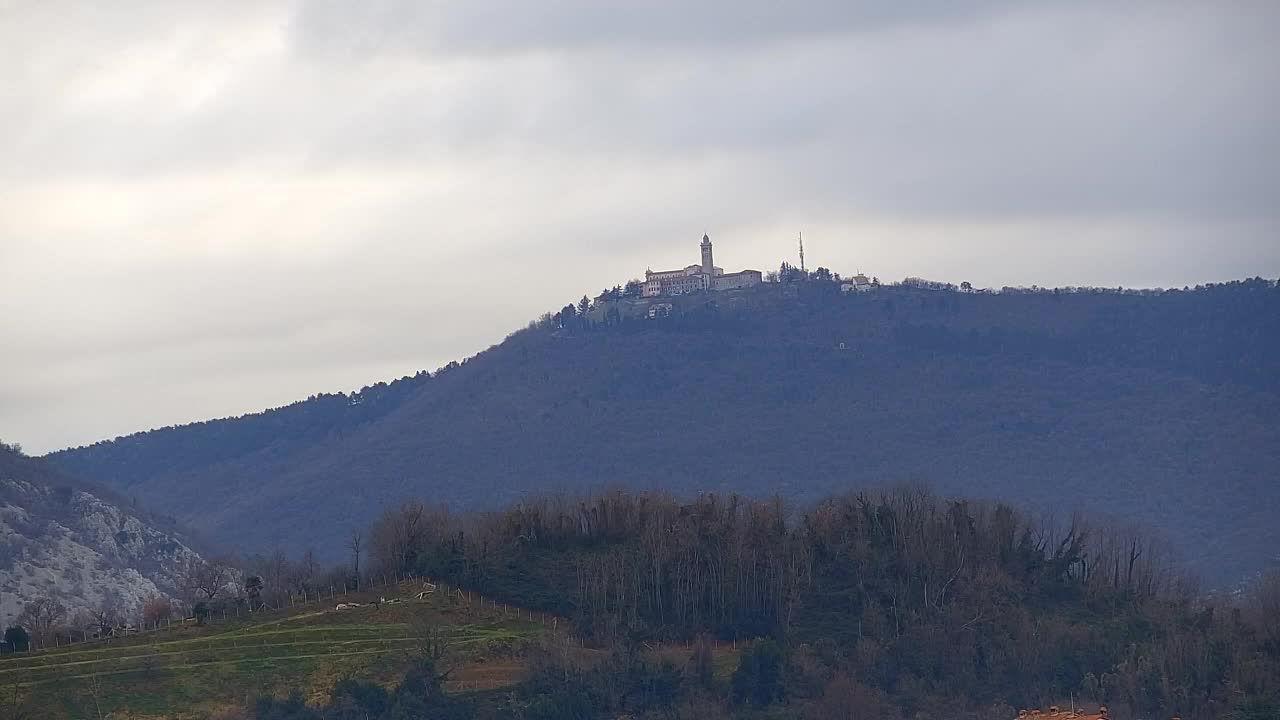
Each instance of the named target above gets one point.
<point>202,670</point>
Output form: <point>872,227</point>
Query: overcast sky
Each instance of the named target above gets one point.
<point>208,208</point>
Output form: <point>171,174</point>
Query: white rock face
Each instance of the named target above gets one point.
<point>81,550</point>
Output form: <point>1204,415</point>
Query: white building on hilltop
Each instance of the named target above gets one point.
<point>857,283</point>
<point>697,277</point>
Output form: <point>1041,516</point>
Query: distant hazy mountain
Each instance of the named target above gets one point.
<point>1158,408</point>
<point>63,540</point>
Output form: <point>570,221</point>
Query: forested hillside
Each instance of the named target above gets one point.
<point>1158,408</point>
<point>877,605</point>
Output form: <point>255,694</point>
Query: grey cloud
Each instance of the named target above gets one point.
<point>1065,110</point>
<point>281,199</point>
<point>331,27</point>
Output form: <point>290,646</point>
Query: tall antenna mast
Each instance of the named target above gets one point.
<point>802,252</point>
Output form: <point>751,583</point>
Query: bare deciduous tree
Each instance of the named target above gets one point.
<point>106,617</point>
<point>401,535</point>
<point>206,579</point>
<point>156,609</point>
<point>41,617</point>
<point>17,703</point>
<point>94,688</point>
<point>356,544</point>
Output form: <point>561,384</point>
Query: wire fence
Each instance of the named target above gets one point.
<point>457,686</point>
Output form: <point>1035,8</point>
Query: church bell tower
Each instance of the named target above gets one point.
<point>708,267</point>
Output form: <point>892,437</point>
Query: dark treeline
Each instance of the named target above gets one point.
<point>1220,333</point>
<point>170,449</point>
<point>913,601</point>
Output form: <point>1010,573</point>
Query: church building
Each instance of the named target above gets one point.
<point>693,278</point>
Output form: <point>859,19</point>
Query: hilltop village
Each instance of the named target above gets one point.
<point>653,297</point>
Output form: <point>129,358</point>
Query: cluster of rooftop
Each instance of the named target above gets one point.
<point>692,278</point>
<point>1053,713</point>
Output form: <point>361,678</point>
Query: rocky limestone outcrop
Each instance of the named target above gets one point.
<point>86,552</point>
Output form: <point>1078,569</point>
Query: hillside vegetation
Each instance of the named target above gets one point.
<point>890,605</point>
<point>1162,408</point>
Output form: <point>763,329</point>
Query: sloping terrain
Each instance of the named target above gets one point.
<point>193,671</point>
<point>62,540</point>
<point>1161,409</point>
